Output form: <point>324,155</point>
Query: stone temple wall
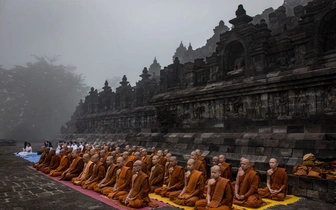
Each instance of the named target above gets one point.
<point>259,95</point>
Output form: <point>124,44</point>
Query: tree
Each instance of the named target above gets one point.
<point>38,98</point>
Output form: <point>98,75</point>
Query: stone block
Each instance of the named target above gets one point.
<point>285,152</point>
<point>251,150</point>
<point>242,142</point>
<point>295,129</point>
<point>320,185</point>
<point>325,154</point>
<point>279,129</point>
<point>296,136</point>
<point>312,129</point>
<point>259,150</point>
<point>304,144</point>
<point>256,142</point>
<point>214,148</point>
<point>313,194</point>
<point>299,192</point>
<point>297,153</point>
<point>219,141</point>
<point>181,146</point>
<point>293,180</point>
<point>266,130</point>
<point>268,152</point>
<point>330,136</point>
<point>244,150</point>
<point>306,183</point>
<point>261,159</point>
<point>229,141</point>
<point>172,139</point>
<point>275,152</point>
<point>287,143</point>
<point>197,141</point>
<point>325,145</point>
<point>293,162</point>
<point>250,136</point>
<point>278,136</point>
<point>271,143</point>
<point>315,136</point>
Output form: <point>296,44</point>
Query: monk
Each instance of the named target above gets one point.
<point>277,182</point>
<point>137,197</point>
<point>146,162</point>
<point>64,164</point>
<point>219,194</point>
<point>43,156</point>
<point>123,183</point>
<point>165,152</point>
<point>103,156</point>
<point>128,160</point>
<point>86,173</point>
<point>98,173</point>
<point>153,152</point>
<point>110,177</point>
<point>226,169</point>
<point>162,160</point>
<point>246,186</point>
<point>166,169</point>
<point>46,161</point>
<point>215,161</point>
<point>200,164</point>
<point>156,175</point>
<point>202,159</point>
<point>75,168</point>
<point>176,179</point>
<point>54,163</point>
<point>193,187</point>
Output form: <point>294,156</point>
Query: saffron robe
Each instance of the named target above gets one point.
<point>226,170</point>
<point>194,188</point>
<point>278,180</point>
<point>98,174</point>
<point>109,179</point>
<point>84,175</point>
<point>43,156</point>
<point>201,166</point>
<point>156,177</point>
<point>176,182</point>
<point>64,165</point>
<point>46,161</point>
<point>75,168</point>
<point>248,186</point>
<point>54,163</point>
<point>123,183</point>
<point>139,192</point>
<point>221,196</point>
<point>146,164</point>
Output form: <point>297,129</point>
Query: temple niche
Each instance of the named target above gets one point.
<point>327,32</point>
<point>234,58</point>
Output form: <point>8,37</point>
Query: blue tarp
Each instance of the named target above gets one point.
<point>32,157</point>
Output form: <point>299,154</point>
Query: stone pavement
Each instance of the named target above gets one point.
<point>21,188</point>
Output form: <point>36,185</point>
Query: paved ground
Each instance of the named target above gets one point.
<point>22,188</point>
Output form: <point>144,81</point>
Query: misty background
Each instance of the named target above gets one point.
<point>71,45</point>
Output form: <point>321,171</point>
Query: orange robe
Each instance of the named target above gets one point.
<point>278,179</point>
<point>248,186</point>
<point>156,177</point>
<point>98,174</point>
<point>166,174</point>
<point>123,183</point>
<point>64,164</point>
<point>194,188</point>
<point>226,170</point>
<point>176,182</point>
<point>221,196</point>
<point>43,156</point>
<point>129,163</point>
<point>84,175</point>
<point>75,168</point>
<point>139,192</point>
<point>146,164</point>
<point>201,166</point>
<point>109,180</point>
<point>46,161</point>
<point>54,163</point>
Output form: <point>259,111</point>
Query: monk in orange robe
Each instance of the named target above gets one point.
<point>226,169</point>
<point>137,197</point>
<point>46,161</point>
<point>277,182</point>
<point>166,169</point>
<point>86,173</point>
<point>153,152</point>
<point>43,156</point>
<point>193,187</point>
<point>146,162</point>
<point>98,173</point>
<point>219,194</point>
<point>200,164</point>
<point>110,177</point>
<point>64,164</point>
<point>246,186</point>
<point>123,183</point>
<point>156,175</point>
<point>75,168</point>
<point>128,160</point>
<point>176,179</point>
<point>54,163</point>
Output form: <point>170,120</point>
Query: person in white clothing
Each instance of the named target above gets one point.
<point>27,150</point>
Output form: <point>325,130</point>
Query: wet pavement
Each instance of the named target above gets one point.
<point>22,188</point>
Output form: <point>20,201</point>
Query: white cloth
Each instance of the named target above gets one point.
<point>26,151</point>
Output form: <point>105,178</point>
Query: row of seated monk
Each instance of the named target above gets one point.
<point>130,176</point>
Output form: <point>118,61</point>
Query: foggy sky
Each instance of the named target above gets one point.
<point>107,38</point>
